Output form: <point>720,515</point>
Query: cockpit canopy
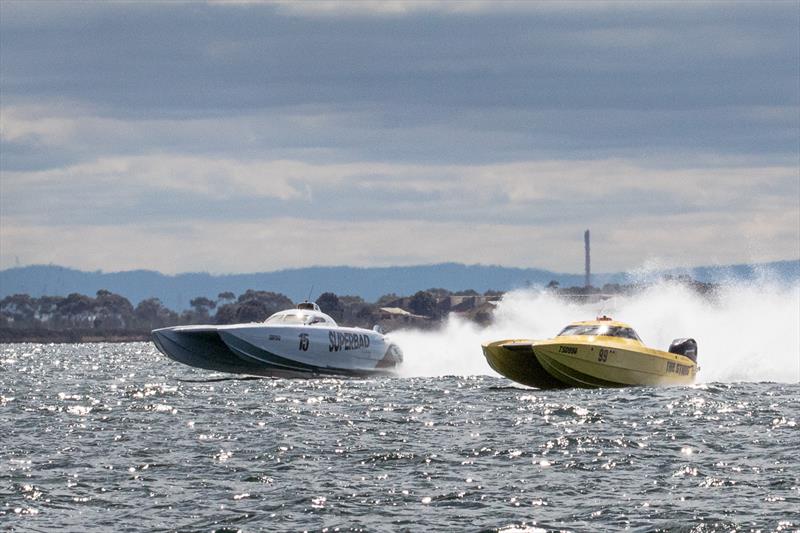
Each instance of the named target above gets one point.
<point>606,330</point>
<point>300,317</point>
<point>309,306</point>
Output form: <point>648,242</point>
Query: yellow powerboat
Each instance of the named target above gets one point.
<point>591,354</point>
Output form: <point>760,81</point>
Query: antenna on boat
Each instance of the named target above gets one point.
<point>309,293</point>
<point>604,308</point>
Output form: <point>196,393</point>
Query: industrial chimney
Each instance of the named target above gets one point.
<point>588,260</point>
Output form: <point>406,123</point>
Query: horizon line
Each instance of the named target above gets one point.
<point>418,265</point>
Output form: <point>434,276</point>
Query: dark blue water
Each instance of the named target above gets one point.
<point>115,437</point>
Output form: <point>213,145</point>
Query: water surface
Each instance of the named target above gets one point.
<point>99,437</point>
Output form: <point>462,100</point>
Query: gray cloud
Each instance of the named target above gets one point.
<point>179,58</point>
<point>531,115</point>
<point>545,81</point>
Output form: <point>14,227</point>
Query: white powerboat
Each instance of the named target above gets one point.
<point>301,342</point>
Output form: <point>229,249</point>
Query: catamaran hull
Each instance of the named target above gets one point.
<point>551,365</point>
<point>286,352</point>
<point>202,349</point>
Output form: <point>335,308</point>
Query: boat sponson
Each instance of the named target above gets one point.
<point>516,361</point>
<point>202,349</point>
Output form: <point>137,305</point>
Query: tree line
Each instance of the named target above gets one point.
<point>112,316</point>
<point>107,311</point>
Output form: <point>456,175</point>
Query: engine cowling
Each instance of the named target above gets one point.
<point>392,357</point>
<point>687,347</point>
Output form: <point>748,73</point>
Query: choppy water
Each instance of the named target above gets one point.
<point>108,437</point>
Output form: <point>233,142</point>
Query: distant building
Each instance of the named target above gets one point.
<point>394,313</point>
<point>392,318</point>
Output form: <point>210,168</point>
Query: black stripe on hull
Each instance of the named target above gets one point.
<point>572,378</point>
<point>256,355</point>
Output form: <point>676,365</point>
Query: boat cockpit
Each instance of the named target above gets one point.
<point>299,318</point>
<point>596,330</point>
<point>306,314</point>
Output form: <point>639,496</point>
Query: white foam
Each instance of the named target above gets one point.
<point>745,331</point>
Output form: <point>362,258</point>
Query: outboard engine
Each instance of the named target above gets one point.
<point>687,347</point>
<point>396,353</point>
<point>392,358</point>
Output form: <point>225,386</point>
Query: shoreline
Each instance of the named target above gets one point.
<point>38,336</point>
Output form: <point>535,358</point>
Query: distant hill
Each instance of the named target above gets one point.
<point>369,283</point>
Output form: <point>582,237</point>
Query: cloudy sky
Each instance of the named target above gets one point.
<point>253,136</point>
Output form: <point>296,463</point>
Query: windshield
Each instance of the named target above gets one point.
<point>594,329</point>
<point>295,319</point>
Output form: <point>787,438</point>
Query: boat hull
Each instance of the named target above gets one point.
<point>287,352</point>
<point>585,364</point>
<point>202,348</point>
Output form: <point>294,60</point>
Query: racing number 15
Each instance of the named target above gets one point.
<point>303,342</point>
